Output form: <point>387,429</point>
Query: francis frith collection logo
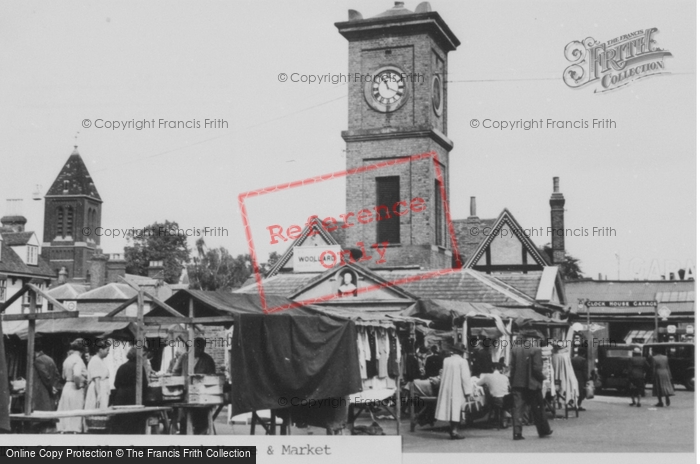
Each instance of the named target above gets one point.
<point>613,64</point>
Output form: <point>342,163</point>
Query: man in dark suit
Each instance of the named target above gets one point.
<point>433,363</point>
<point>526,379</point>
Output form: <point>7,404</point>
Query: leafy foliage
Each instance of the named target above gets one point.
<point>161,242</point>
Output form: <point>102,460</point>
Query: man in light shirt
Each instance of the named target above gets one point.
<point>497,383</point>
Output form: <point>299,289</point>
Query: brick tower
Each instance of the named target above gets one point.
<point>397,107</point>
<point>72,206</point>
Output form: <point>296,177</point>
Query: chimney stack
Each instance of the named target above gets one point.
<point>556,204</point>
<point>155,270</point>
<point>13,221</point>
<point>472,207</point>
<point>116,267</point>
<point>98,269</point>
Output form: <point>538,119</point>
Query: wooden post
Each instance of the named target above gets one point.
<point>465,338</point>
<point>29,387</point>
<point>189,365</point>
<point>140,341</point>
<point>398,396</point>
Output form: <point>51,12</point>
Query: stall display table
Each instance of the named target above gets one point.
<point>368,400</point>
<point>159,412</point>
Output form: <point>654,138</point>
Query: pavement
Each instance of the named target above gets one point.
<point>608,425</point>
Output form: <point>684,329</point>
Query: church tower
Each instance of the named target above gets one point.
<point>72,212</point>
<point>397,107</point>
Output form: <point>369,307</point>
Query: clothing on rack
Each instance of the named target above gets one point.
<point>382,352</point>
<point>372,362</point>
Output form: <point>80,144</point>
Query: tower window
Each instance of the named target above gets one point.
<point>388,194</point>
<point>59,221</point>
<point>439,217</point>
<point>3,289</point>
<point>69,221</point>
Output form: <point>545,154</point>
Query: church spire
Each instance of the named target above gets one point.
<point>74,179</point>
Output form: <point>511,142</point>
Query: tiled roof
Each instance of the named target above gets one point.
<point>79,179</point>
<point>526,283</point>
<point>11,263</point>
<point>68,291</point>
<point>465,285</point>
<point>111,291</point>
<point>17,238</point>
<point>281,284</point>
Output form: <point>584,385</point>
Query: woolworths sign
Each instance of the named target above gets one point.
<point>308,259</point>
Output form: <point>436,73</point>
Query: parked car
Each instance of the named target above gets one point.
<point>612,366</point>
<point>681,361</point>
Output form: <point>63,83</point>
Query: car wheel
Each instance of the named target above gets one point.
<point>690,383</point>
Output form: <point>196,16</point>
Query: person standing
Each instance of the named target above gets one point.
<point>580,365</point>
<point>46,385</point>
<point>73,396</point>
<point>663,385</point>
<point>637,377</point>
<point>205,365</point>
<point>433,363</point>
<point>125,394</point>
<point>482,360</point>
<point>98,387</point>
<point>526,379</point>
<point>455,388</point>
<point>498,387</point>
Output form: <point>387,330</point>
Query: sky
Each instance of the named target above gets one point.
<point>70,61</point>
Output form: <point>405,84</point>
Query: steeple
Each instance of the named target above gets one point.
<point>72,213</point>
<point>74,179</point>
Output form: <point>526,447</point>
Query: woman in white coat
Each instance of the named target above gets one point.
<point>455,388</point>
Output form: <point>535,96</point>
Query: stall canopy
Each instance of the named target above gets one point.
<point>446,311</point>
<point>79,326</point>
<point>297,352</point>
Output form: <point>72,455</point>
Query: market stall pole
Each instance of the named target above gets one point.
<point>112,316</point>
<point>31,319</point>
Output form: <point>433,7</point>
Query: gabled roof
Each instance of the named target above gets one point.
<point>467,240</point>
<point>539,285</point>
<point>312,228</point>
<point>17,238</point>
<point>68,291</point>
<point>363,271</point>
<point>79,179</point>
<point>111,291</point>
<point>11,263</point>
<point>505,218</point>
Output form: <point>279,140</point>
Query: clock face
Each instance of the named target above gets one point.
<point>387,90</point>
<point>437,95</point>
<point>388,87</point>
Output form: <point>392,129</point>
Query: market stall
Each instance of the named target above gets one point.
<point>306,355</point>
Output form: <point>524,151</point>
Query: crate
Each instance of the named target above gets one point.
<point>202,398</point>
<point>206,384</point>
<point>172,388</point>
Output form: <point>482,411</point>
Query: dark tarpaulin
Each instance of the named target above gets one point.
<point>4,389</point>
<point>293,353</point>
<point>292,357</point>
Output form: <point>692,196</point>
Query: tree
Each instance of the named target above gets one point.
<point>158,242</point>
<point>216,268</point>
<point>570,268</point>
<point>271,261</point>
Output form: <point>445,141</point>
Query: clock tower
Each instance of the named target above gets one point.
<point>397,107</point>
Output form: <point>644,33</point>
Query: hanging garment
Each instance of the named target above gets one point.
<point>361,356</point>
<point>372,362</point>
<point>565,376</point>
<point>382,353</point>
<point>393,357</point>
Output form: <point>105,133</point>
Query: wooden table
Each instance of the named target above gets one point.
<point>213,410</point>
<point>42,416</point>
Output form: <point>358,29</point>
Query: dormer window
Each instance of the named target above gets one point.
<point>32,255</point>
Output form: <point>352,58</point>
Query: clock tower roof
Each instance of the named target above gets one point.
<point>74,179</point>
<point>399,19</point>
